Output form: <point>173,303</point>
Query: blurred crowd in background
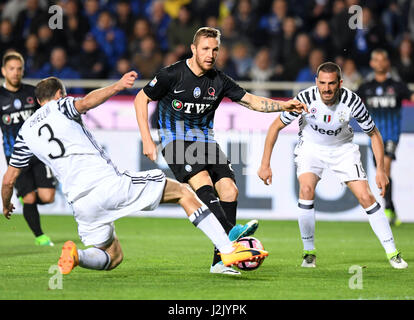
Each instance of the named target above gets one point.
<point>262,40</point>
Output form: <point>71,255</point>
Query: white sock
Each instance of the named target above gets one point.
<point>381,227</point>
<point>207,222</point>
<point>306,219</point>
<point>94,258</point>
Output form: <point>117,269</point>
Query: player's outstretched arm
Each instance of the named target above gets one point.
<point>149,149</point>
<point>378,151</point>
<point>265,172</point>
<point>99,96</point>
<point>9,179</point>
<point>263,104</point>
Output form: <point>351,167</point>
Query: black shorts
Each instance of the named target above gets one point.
<point>34,176</point>
<point>187,158</point>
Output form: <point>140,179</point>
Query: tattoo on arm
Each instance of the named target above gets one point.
<point>272,106</point>
<point>267,106</point>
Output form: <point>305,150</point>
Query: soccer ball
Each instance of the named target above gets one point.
<point>250,242</point>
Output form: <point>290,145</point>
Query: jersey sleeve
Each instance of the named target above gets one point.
<point>158,87</point>
<point>360,113</point>
<point>231,89</point>
<point>21,153</point>
<point>67,107</point>
<point>287,117</point>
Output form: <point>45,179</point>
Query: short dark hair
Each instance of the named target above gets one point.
<point>12,55</point>
<point>46,89</point>
<point>379,51</point>
<point>330,67</point>
<point>207,32</point>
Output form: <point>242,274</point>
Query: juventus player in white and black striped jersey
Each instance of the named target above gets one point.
<point>97,191</point>
<point>325,142</point>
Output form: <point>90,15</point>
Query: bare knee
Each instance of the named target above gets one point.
<point>46,197</point>
<point>29,198</point>
<point>306,192</point>
<point>227,190</point>
<point>230,194</point>
<point>366,199</point>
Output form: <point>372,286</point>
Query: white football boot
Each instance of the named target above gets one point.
<point>220,268</point>
<point>309,259</point>
<point>397,262</point>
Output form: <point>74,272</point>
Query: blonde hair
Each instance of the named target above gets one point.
<point>207,32</point>
<point>12,55</point>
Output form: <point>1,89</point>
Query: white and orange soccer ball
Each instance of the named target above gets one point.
<point>250,242</point>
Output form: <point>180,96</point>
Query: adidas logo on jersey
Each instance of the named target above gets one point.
<point>327,132</point>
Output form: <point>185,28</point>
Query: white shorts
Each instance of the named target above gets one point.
<point>344,161</point>
<point>116,197</point>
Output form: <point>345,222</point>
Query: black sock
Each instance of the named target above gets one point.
<point>207,195</point>
<point>230,208</point>
<point>388,197</point>
<point>31,214</point>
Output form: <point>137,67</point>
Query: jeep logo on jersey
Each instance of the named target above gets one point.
<point>327,132</point>
<point>197,92</point>
<point>177,104</point>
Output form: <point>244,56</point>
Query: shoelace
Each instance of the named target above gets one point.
<point>396,258</point>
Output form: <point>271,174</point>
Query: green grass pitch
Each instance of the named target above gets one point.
<point>169,259</point>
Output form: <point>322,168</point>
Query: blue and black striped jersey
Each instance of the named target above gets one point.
<point>383,100</point>
<point>187,103</point>
<point>15,108</point>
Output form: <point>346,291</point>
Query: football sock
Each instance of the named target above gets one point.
<point>388,196</point>
<point>94,258</point>
<point>306,219</point>
<point>230,208</point>
<point>207,195</point>
<point>31,214</point>
<point>381,227</point>
<point>209,224</point>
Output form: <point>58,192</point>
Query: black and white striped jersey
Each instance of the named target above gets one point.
<point>329,125</point>
<point>56,135</point>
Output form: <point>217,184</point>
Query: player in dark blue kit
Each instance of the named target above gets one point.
<point>383,95</point>
<point>188,93</point>
<point>36,184</point>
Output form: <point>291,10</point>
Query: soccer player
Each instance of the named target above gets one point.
<point>36,184</point>
<point>383,95</point>
<point>325,142</point>
<point>188,93</point>
<point>97,191</point>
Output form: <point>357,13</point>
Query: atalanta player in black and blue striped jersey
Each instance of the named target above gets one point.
<point>188,94</point>
<point>383,94</point>
<point>36,184</point>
